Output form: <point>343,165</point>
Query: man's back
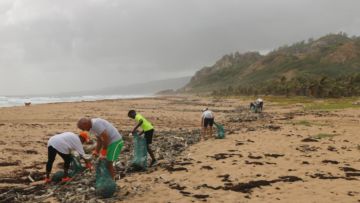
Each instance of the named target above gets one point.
<point>208,114</point>
<point>100,125</point>
<point>65,142</point>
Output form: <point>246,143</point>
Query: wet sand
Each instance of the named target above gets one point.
<point>269,157</point>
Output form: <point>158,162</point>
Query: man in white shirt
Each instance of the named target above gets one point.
<point>109,140</point>
<point>207,122</point>
<point>257,106</point>
<point>63,144</point>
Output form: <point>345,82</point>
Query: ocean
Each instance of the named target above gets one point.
<point>20,101</point>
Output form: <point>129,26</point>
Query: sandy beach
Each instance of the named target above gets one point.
<point>284,154</point>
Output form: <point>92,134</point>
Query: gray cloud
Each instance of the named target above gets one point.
<point>71,45</point>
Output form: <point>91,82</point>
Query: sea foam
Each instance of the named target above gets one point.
<point>20,101</point>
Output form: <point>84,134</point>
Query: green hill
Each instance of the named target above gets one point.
<point>326,67</point>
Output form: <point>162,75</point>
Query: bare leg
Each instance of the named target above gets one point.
<point>111,169</point>
<point>210,132</point>
<point>203,133</point>
<point>151,153</point>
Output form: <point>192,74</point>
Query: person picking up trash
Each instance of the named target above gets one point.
<point>257,106</point>
<point>63,144</point>
<point>147,129</point>
<point>109,140</point>
<point>207,122</point>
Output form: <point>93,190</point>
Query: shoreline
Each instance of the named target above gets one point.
<point>120,97</point>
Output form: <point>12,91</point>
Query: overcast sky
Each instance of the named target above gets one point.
<point>51,46</point>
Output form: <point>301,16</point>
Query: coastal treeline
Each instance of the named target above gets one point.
<point>325,67</point>
<point>319,87</point>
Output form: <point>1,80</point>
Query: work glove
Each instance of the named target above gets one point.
<point>95,153</point>
<point>130,134</point>
<point>103,153</point>
<point>89,166</point>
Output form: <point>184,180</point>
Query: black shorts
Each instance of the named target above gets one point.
<point>148,136</point>
<point>208,122</point>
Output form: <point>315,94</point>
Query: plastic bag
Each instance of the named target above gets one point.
<point>105,186</point>
<point>139,161</point>
<point>56,178</point>
<point>220,131</point>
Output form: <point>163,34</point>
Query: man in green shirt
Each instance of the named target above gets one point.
<point>147,129</point>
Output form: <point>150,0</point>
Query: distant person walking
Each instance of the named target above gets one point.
<point>147,129</point>
<point>109,140</point>
<point>207,122</point>
<point>63,144</point>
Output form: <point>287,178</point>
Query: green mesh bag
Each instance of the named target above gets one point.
<point>56,178</point>
<point>139,161</point>
<point>220,131</point>
<point>255,108</point>
<point>75,168</point>
<point>105,186</point>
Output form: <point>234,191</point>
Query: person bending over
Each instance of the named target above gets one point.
<point>109,141</point>
<point>207,122</point>
<point>63,144</point>
<point>147,129</point>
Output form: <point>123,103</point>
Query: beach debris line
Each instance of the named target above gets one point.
<point>274,127</point>
<point>350,172</point>
<point>168,145</point>
<point>329,176</point>
<point>181,189</point>
<point>246,116</point>
<point>309,139</point>
<point>307,148</point>
<point>220,156</point>
<point>249,186</point>
<point>274,155</point>
<point>330,161</point>
<point>12,163</point>
<point>207,167</point>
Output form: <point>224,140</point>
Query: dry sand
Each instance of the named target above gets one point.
<point>264,150</point>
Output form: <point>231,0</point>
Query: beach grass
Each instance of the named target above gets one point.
<point>313,104</point>
<point>324,135</point>
<point>283,101</point>
<point>332,104</point>
<point>303,122</point>
<point>306,123</point>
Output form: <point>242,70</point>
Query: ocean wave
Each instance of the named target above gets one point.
<point>20,101</point>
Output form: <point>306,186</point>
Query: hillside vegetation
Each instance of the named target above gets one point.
<point>326,67</point>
